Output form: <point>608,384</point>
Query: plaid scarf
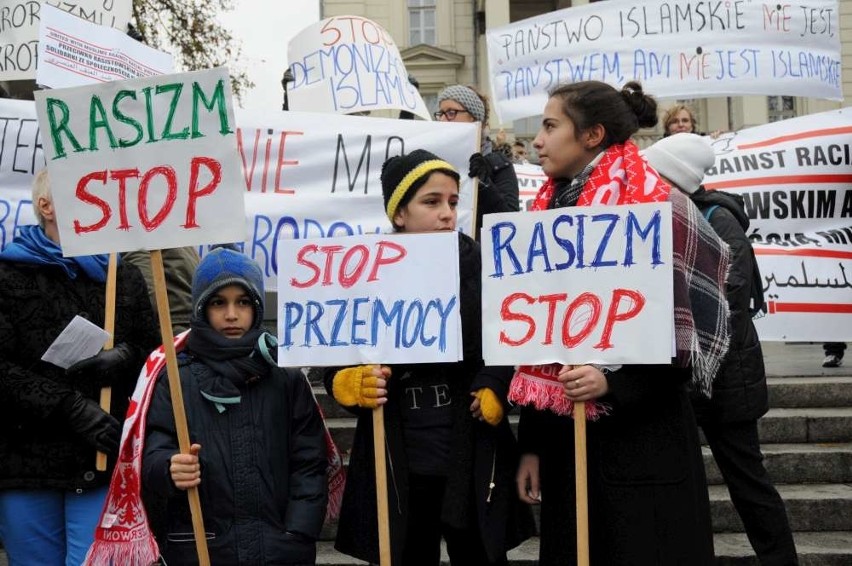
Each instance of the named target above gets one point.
<point>620,176</point>
<point>123,535</point>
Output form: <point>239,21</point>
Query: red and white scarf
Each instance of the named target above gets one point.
<point>622,176</point>
<point>123,535</point>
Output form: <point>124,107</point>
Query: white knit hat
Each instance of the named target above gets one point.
<point>682,158</point>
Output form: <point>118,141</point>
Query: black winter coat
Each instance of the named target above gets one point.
<point>647,493</point>
<point>38,450</point>
<point>478,450</point>
<point>498,188</point>
<point>739,390</point>
<point>263,469</point>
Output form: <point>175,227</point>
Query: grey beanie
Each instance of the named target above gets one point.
<point>467,98</point>
<point>682,158</point>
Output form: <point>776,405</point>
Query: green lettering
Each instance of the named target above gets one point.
<point>125,119</point>
<point>57,128</point>
<point>149,113</point>
<point>218,99</point>
<point>176,89</point>
<point>98,119</point>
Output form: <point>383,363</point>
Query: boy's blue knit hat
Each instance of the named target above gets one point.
<point>222,267</point>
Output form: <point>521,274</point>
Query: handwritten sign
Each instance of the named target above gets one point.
<point>796,179</point>
<point>578,285</point>
<point>19,29</point>
<point>143,164</point>
<point>369,299</point>
<point>74,52</point>
<point>348,64</point>
<point>690,49</point>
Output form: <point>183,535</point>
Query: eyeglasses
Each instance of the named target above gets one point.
<point>450,114</point>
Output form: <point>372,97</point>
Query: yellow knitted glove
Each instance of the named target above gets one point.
<point>490,405</point>
<point>356,386</point>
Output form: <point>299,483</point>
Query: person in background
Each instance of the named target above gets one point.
<point>51,424</point>
<point>679,119</point>
<point>258,452</point>
<point>833,354</point>
<point>647,492</point>
<point>740,396</point>
<point>498,184</point>
<point>519,153</point>
<point>450,451</point>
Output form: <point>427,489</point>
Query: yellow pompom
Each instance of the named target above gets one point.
<point>490,405</point>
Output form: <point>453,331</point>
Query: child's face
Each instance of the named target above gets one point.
<point>432,208</point>
<point>230,311</point>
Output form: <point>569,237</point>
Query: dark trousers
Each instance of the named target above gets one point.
<point>836,348</point>
<point>736,449</point>
<point>425,529</point>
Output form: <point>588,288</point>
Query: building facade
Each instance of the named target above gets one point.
<point>443,42</point>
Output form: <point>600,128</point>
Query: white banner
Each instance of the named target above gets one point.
<point>374,299</point>
<point>74,52</point>
<point>348,64</point>
<point>579,285</point>
<point>693,49</point>
<point>796,178</point>
<point>21,156</point>
<point>147,163</point>
<point>19,29</point>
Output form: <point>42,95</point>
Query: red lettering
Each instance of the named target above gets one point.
<point>347,279</point>
<point>171,182</point>
<point>121,176</point>
<point>327,27</point>
<point>248,172</point>
<point>507,315</point>
<point>89,198</point>
<point>330,252</point>
<point>588,320</point>
<point>636,301</point>
<point>382,260</point>
<point>551,301</point>
<point>302,260</point>
<point>215,169</point>
<point>282,162</point>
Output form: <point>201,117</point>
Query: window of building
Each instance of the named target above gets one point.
<point>781,107</point>
<point>421,22</point>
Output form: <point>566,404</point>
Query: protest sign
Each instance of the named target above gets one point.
<point>691,49</point>
<point>21,156</point>
<point>74,52</point>
<point>348,64</point>
<point>369,299</point>
<point>530,179</point>
<point>578,285</point>
<point>19,29</point>
<point>796,179</point>
<point>148,163</point>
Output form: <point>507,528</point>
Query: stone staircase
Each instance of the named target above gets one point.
<point>807,443</point>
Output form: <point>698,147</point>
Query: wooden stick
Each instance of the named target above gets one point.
<point>381,485</point>
<point>109,327</point>
<point>177,399</point>
<point>581,482</point>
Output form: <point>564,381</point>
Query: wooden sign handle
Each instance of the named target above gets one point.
<point>581,483</point>
<point>177,399</point>
<point>381,485</point>
<point>109,327</point>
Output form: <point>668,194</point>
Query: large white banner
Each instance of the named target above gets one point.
<point>348,64</point>
<point>19,29</point>
<point>75,52</point>
<point>691,49</point>
<point>380,299</point>
<point>21,156</point>
<point>578,285</point>
<point>148,163</point>
<point>796,179</point>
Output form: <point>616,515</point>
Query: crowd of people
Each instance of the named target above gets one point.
<point>258,454</point>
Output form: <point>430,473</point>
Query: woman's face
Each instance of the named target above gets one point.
<point>682,122</point>
<point>448,108</point>
<point>432,208</point>
<point>561,149</point>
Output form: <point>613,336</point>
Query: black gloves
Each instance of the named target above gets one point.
<point>484,166</point>
<point>105,367</point>
<point>97,427</point>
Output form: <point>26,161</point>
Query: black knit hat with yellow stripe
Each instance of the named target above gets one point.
<point>404,174</point>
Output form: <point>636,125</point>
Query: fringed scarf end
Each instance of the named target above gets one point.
<point>108,553</point>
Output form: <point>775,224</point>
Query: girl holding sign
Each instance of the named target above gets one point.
<point>451,456</point>
<point>647,495</point>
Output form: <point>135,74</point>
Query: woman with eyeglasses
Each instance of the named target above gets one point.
<point>498,184</point>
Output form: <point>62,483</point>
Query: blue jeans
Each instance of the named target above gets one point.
<point>49,527</point>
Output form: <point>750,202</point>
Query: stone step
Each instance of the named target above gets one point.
<point>778,426</point>
<point>797,463</point>
<point>732,549</point>
<point>801,392</point>
<point>810,507</point>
